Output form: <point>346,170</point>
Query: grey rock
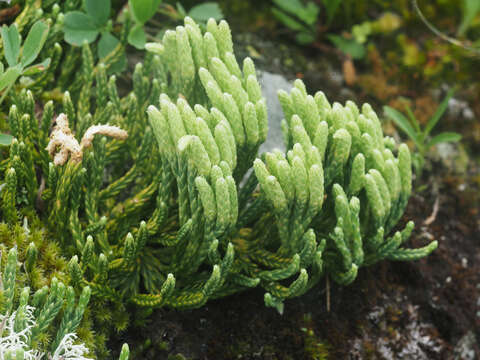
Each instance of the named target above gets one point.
<point>465,348</point>
<point>453,156</point>
<point>271,83</point>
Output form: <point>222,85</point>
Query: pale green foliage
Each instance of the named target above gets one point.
<point>183,222</point>
<point>340,152</point>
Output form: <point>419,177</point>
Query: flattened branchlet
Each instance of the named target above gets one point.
<point>172,216</point>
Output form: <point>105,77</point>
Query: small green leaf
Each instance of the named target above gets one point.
<point>11,43</point>
<point>10,76</point>
<point>361,32</point>
<point>348,46</point>
<point>438,113</point>
<point>143,10</point>
<point>310,13</point>
<point>205,11</point>
<point>137,37</point>
<point>331,6</point>
<point>79,27</point>
<point>444,137</point>
<point>35,69</point>
<point>34,42</point>
<point>106,45</point>
<point>471,8</point>
<point>5,139</point>
<point>402,122</point>
<point>305,38</point>
<point>98,11</point>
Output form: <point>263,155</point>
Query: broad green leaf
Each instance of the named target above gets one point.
<point>35,69</point>
<point>34,42</point>
<point>1,68</point>
<point>143,10</point>
<point>310,13</point>
<point>79,27</point>
<point>289,21</point>
<point>438,113</point>
<point>443,138</point>
<point>137,37</point>
<point>98,11</point>
<point>10,76</point>
<point>205,11</point>
<point>291,6</point>
<point>470,10</point>
<point>331,7</point>
<point>106,45</point>
<point>11,43</point>
<point>348,46</point>
<point>5,139</point>
<point>402,122</point>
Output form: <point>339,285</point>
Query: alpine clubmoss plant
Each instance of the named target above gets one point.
<point>151,196</point>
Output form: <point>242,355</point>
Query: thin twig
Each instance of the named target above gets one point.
<point>433,216</point>
<point>440,34</point>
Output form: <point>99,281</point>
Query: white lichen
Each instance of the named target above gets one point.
<point>67,350</point>
<point>13,340</point>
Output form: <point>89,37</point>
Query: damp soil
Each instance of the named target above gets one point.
<point>427,309</point>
